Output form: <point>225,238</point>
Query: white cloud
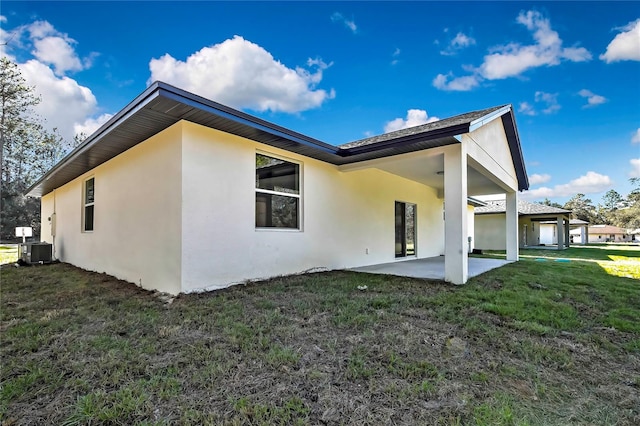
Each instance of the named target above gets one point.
<point>90,125</point>
<point>625,46</point>
<point>591,183</point>
<point>536,179</point>
<point>462,40</point>
<point>550,100</point>
<point>549,103</point>
<point>64,104</point>
<point>635,168</point>
<point>57,52</point>
<point>459,42</point>
<point>54,48</point>
<point>415,117</point>
<point>459,84</point>
<point>513,59</point>
<point>526,108</point>
<point>636,136</point>
<point>592,98</point>
<point>242,74</point>
<point>350,24</point>
<point>395,55</point>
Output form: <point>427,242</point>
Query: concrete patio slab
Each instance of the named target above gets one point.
<point>429,268</point>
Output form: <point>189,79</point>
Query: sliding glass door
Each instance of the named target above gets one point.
<point>405,229</point>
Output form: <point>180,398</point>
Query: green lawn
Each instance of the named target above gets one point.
<point>537,342</point>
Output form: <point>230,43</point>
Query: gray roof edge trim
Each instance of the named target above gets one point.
<point>450,131</point>
<point>479,122</point>
<point>509,123</point>
<point>208,105</point>
<point>566,212</point>
<point>476,202</point>
<point>535,216</point>
<point>132,107</point>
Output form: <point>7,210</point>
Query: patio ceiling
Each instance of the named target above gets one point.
<point>430,171</point>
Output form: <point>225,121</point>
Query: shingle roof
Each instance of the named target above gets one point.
<point>458,120</point>
<point>524,208</point>
<point>606,229</point>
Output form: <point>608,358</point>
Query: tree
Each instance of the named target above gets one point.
<point>612,200</point>
<point>548,202</point>
<point>28,150</point>
<point>582,208</point>
<point>628,216</point>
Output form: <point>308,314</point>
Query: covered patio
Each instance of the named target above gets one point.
<point>432,268</point>
<point>470,155</point>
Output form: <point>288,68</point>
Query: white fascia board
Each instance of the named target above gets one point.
<point>489,117</point>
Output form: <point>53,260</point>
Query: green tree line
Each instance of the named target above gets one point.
<point>28,151</point>
<point>615,209</point>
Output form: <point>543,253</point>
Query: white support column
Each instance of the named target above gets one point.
<point>567,237</point>
<point>560,232</point>
<point>511,204</point>
<point>456,266</point>
<point>585,234</point>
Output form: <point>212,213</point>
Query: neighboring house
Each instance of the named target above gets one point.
<point>608,234</point>
<point>579,231</point>
<point>179,193</point>
<point>535,225</point>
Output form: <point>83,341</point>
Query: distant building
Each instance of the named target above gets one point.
<point>608,234</point>
<point>538,225</point>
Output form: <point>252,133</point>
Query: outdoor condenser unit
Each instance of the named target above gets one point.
<point>34,252</point>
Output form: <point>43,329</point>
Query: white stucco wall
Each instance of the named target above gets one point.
<point>490,232</point>
<point>488,148</point>
<point>177,213</point>
<point>345,215</point>
<point>137,222</point>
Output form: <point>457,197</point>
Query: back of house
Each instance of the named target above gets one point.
<point>178,193</point>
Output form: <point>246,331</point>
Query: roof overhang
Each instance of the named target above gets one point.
<point>475,202</point>
<point>162,105</point>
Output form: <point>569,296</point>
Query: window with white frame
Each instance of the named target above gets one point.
<point>88,204</point>
<point>277,193</point>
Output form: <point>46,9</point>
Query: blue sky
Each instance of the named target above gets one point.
<point>344,71</point>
